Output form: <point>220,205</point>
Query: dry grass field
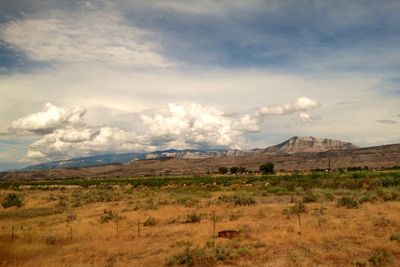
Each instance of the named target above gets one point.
<point>281,222</point>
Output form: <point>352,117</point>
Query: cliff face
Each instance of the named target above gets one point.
<point>308,144</point>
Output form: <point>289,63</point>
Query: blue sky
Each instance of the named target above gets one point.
<point>89,77</point>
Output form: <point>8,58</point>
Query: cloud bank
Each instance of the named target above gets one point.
<point>48,120</point>
<point>83,37</point>
<point>64,134</point>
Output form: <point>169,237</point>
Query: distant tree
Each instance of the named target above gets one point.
<point>234,170</point>
<point>223,170</point>
<point>267,168</point>
<point>242,170</point>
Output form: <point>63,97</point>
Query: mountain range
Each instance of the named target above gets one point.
<point>293,145</point>
<point>295,154</point>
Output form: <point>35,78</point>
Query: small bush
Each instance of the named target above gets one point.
<point>234,170</point>
<point>348,202</point>
<point>11,200</point>
<point>30,213</point>
<point>225,198</point>
<point>62,202</point>
<point>191,257</point>
<point>187,201</point>
<point>395,237</point>
<point>243,200</point>
<point>210,254</point>
<point>223,170</point>
<point>109,215</point>
<point>193,218</point>
<point>368,197</point>
<point>381,257</point>
<point>70,218</point>
<point>222,253</point>
<point>389,194</point>
<point>150,204</point>
<point>295,209</point>
<point>151,221</point>
<point>93,196</point>
<point>309,197</point>
<point>329,196</point>
<point>360,263</point>
<point>238,199</point>
<point>276,190</point>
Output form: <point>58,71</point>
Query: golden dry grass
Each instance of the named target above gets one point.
<point>328,236</point>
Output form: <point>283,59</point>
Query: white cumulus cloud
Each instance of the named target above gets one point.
<point>51,118</point>
<point>69,143</point>
<point>181,126</point>
<point>301,104</point>
<point>192,125</point>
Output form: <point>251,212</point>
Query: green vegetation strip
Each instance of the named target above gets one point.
<point>29,213</point>
<point>350,180</point>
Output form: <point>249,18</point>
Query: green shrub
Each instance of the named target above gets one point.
<point>150,204</point>
<point>295,209</point>
<point>360,263</point>
<point>243,199</point>
<point>223,170</point>
<point>348,202</point>
<point>62,202</point>
<point>234,170</point>
<point>395,237</point>
<point>225,198</point>
<point>11,200</point>
<point>277,190</point>
<point>151,221</point>
<point>30,213</point>
<point>191,257</point>
<point>381,257</point>
<point>267,168</point>
<point>210,254</point>
<point>109,215</point>
<point>187,201</point>
<point>329,196</point>
<point>309,197</point>
<point>93,196</point>
<point>368,197</point>
<point>389,194</point>
<point>193,218</point>
<point>222,253</point>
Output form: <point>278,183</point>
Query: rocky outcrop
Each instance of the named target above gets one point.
<point>308,144</point>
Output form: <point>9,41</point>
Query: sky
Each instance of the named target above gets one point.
<point>80,78</point>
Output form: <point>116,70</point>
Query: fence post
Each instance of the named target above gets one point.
<point>298,215</point>
<point>117,228</point>
<point>214,220</point>
<point>12,233</point>
<point>138,227</point>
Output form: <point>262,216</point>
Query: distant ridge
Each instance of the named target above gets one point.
<point>307,144</point>
<point>378,157</point>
